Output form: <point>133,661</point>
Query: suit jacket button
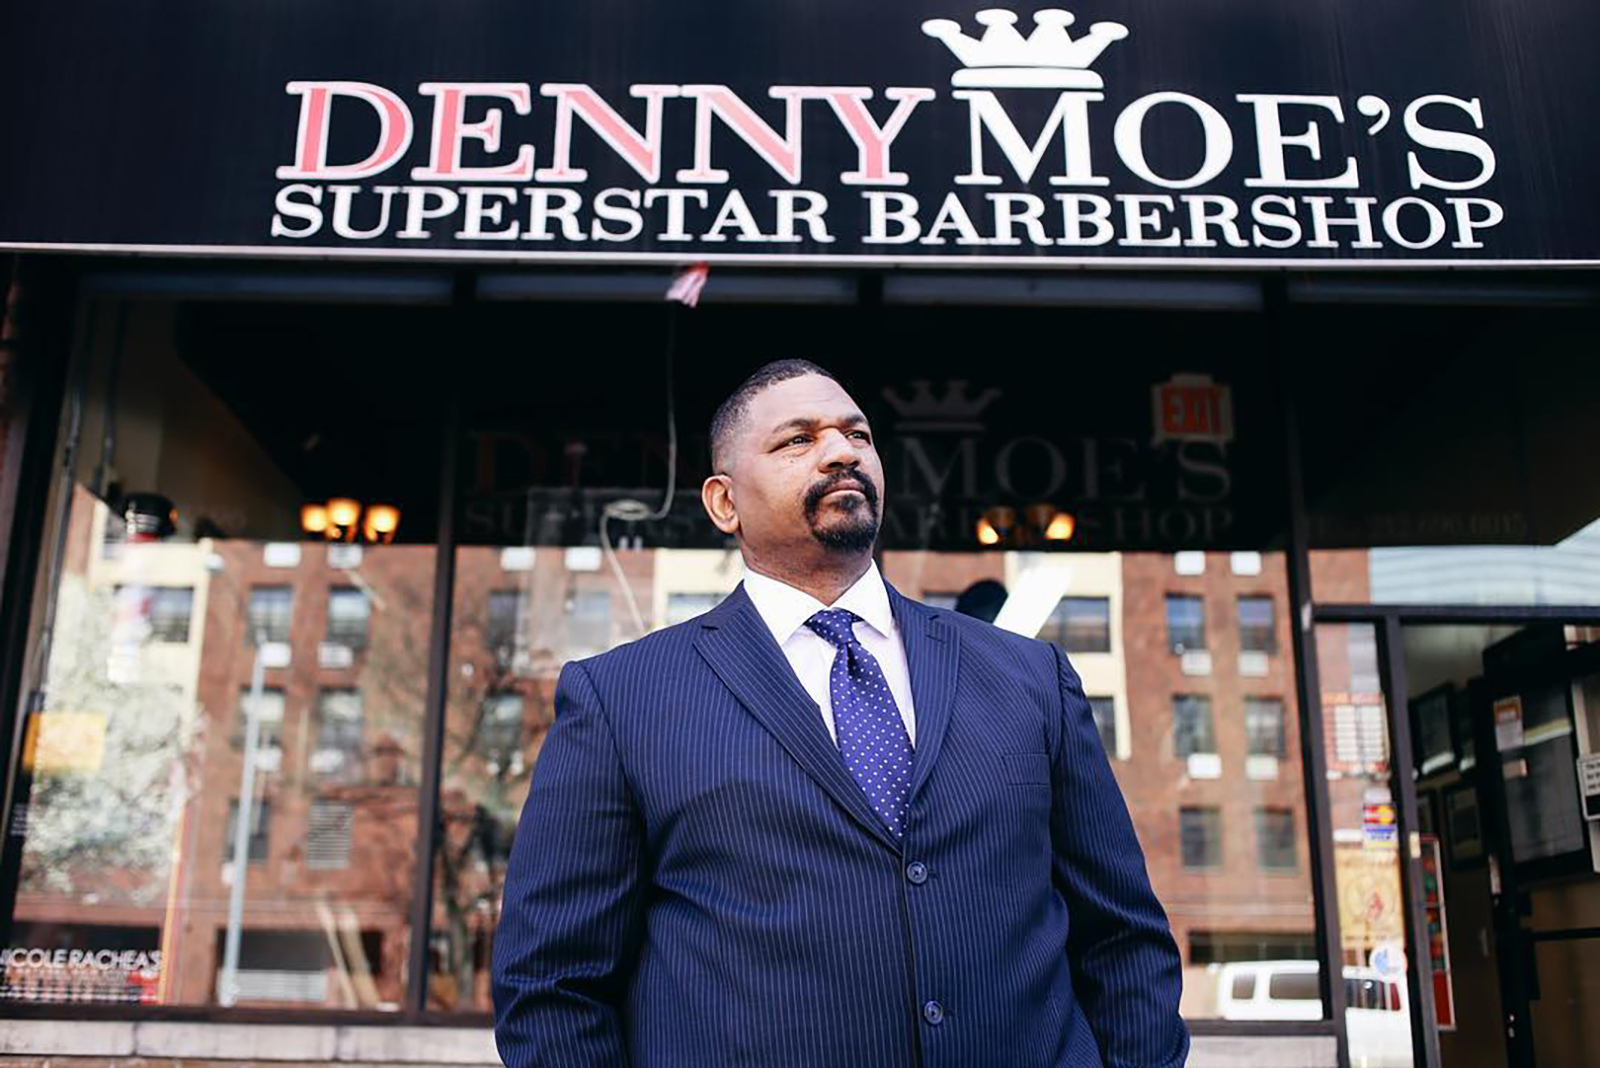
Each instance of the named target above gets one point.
<point>933,1012</point>
<point>917,872</point>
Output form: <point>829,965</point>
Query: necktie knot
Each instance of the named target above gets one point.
<point>837,625</point>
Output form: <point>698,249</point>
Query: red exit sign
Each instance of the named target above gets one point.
<point>1190,407</point>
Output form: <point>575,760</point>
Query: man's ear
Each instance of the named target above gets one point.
<point>716,493</point>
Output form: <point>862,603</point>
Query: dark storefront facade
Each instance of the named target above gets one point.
<point>1247,351</point>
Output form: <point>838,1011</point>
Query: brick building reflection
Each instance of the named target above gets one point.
<point>129,847</point>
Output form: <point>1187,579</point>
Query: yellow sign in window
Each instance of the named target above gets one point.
<point>65,741</point>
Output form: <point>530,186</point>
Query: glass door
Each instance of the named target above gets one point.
<point>1499,714</point>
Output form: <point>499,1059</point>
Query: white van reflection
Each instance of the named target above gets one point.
<point>1378,1020</point>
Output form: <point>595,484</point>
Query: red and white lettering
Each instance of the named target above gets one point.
<point>872,141</point>
<point>781,153</point>
<point>316,110</point>
<point>451,131</point>
<point>641,152</point>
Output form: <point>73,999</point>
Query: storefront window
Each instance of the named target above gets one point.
<point>244,669</point>
<point>207,665</point>
<point>1440,471</point>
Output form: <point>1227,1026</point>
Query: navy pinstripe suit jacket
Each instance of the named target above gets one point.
<point>698,882</point>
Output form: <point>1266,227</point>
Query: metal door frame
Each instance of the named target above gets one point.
<point>1514,943</point>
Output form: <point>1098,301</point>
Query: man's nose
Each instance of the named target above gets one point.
<point>837,451</point>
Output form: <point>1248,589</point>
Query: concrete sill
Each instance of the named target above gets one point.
<point>322,1044</point>
<point>440,1046</point>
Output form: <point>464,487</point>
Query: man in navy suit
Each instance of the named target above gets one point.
<point>823,825</point>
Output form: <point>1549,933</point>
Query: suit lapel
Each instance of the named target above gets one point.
<point>737,645</point>
<point>933,649</point>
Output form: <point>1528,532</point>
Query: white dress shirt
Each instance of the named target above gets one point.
<point>785,610</point>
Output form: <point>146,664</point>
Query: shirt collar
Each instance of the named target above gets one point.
<point>785,609</point>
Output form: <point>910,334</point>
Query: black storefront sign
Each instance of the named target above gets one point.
<point>939,132</point>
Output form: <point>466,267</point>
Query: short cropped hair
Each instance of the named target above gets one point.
<point>730,414</point>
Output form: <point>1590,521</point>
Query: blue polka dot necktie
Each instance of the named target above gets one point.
<point>872,736</point>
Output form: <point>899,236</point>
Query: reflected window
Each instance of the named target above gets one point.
<point>1186,623</point>
<point>349,612</point>
<point>682,607</point>
<point>269,718</point>
<point>502,617</point>
<point>1221,947</point>
<point>284,967</point>
<point>588,623</point>
<point>270,611</point>
<point>1362,650</point>
<point>1105,721</point>
<point>1294,986</point>
<point>1258,632</point>
<point>328,826</point>
<point>1275,839</point>
<point>170,610</point>
<point>499,733</point>
<point>1193,730</point>
<point>1200,837</point>
<point>1080,625</point>
<point>339,735</point>
<point>1263,727</point>
<point>260,820</point>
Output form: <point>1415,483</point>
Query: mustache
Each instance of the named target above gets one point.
<point>841,480</point>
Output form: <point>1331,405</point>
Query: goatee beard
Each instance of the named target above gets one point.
<point>860,531</point>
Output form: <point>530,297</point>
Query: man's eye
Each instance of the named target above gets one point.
<point>797,437</point>
<point>863,435</point>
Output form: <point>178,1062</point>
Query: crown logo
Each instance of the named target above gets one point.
<point>956,411</point>
<point>1048,58</point>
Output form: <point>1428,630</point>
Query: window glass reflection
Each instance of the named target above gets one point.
<point>1207,761</point>
<point>206,666</point>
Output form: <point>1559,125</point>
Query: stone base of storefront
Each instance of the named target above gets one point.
<point>102,1044</point>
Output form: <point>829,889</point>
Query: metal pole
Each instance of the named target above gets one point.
<point>1308,693</point>
<point>229,994</point>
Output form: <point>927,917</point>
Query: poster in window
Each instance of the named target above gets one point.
<point>1433,908</point>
